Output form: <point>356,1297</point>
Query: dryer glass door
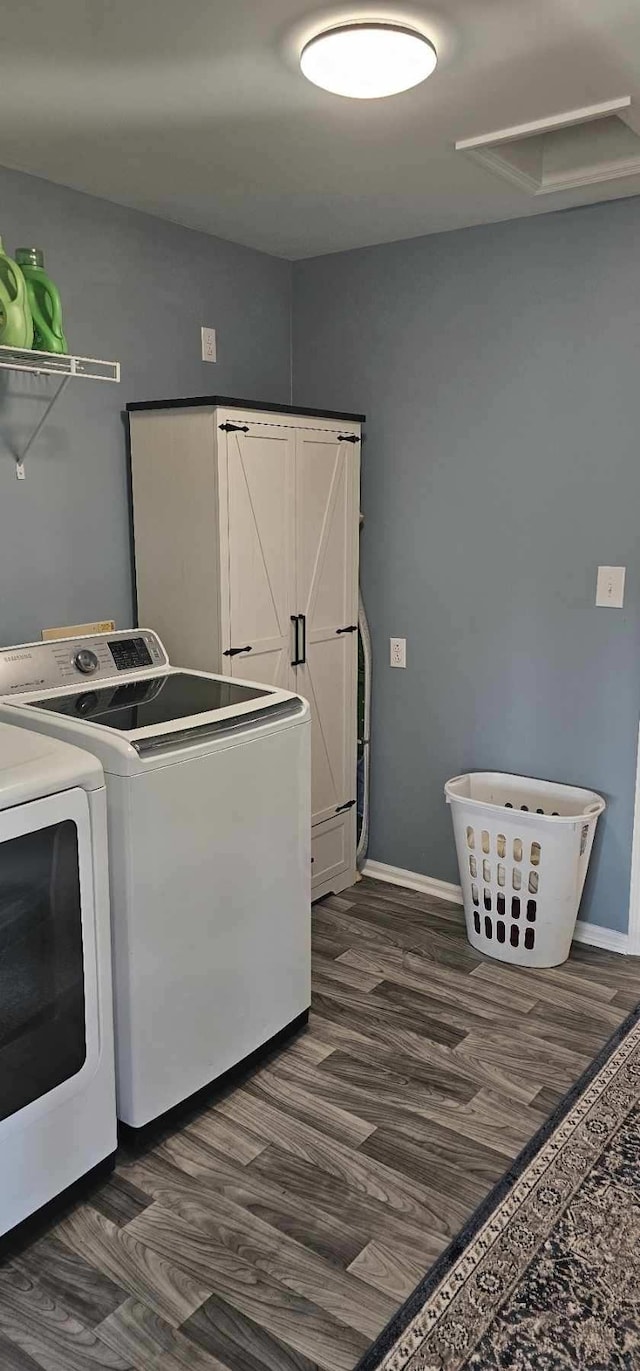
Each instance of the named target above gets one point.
<point>43,1031</point>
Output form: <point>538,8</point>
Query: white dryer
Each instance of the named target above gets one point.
<point>57,1092</point>
<point>208,787</point>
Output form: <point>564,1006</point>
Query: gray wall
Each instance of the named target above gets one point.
<point>134,289</point>
<point>500,371</point>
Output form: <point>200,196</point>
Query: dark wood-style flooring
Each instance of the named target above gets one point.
<point>280,1228</point>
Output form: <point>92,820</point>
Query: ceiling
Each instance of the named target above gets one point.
<point>197,111</point>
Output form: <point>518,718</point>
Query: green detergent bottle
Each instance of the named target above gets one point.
<point>16,324</point>
<point>44,300</point>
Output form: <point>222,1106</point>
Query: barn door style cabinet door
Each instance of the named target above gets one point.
<point>246,555</point>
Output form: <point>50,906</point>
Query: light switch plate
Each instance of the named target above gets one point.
<point>610,586</point>
<point>209,344</point>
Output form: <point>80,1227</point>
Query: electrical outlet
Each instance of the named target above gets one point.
<point>209,346</point>
<point>610,586</point>
<point>398,652</point>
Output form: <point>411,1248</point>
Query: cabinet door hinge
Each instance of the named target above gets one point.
<point>341,808</point>
<point>235,428</point>
<point>233,651</point>
<point>351,628</point>
<point>348,438</point>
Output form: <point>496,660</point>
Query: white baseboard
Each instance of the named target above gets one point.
<point>609,939</point>
<point>413,880</point>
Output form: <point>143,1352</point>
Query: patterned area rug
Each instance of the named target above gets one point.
<point>546,1275</point>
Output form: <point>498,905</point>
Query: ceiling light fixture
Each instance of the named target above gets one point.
<point>368,60</point>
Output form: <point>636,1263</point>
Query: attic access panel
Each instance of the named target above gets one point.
<point>582,147</point>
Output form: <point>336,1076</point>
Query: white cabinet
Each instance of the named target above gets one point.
<point>246,555</point>
<point>326,593</point>
<point>257,545</point>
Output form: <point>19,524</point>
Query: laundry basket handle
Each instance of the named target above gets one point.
<point>449,787</point>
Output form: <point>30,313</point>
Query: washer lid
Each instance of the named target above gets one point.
<point>33,765</point>
<point>131,705</point>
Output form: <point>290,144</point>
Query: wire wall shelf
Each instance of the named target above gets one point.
<point>61,366</point>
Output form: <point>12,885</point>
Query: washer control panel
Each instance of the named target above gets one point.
<point>129,653</point>
<point>62,662</point>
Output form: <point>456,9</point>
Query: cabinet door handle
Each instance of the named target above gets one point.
<point>234,428</point>
<point>295,661</point>
<point>233,651</point>
<point>299,621</point>
<point>351,628</point>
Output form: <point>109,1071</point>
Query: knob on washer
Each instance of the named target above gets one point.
<point>86,661</point>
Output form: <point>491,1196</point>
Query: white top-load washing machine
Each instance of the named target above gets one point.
<point>57,1091</point>
<point>208,792</point>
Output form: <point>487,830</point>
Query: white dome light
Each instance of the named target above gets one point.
<point>368,60</point>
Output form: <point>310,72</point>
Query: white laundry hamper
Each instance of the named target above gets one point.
<point>523,850</point>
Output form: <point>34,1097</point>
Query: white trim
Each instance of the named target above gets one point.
<point>413,880</point>
<point>609,939</point>
<point>594,176</point>
<point>488,149</point>
<point>548,125</point>
<point>493,160</point>
<point>634,884</point>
